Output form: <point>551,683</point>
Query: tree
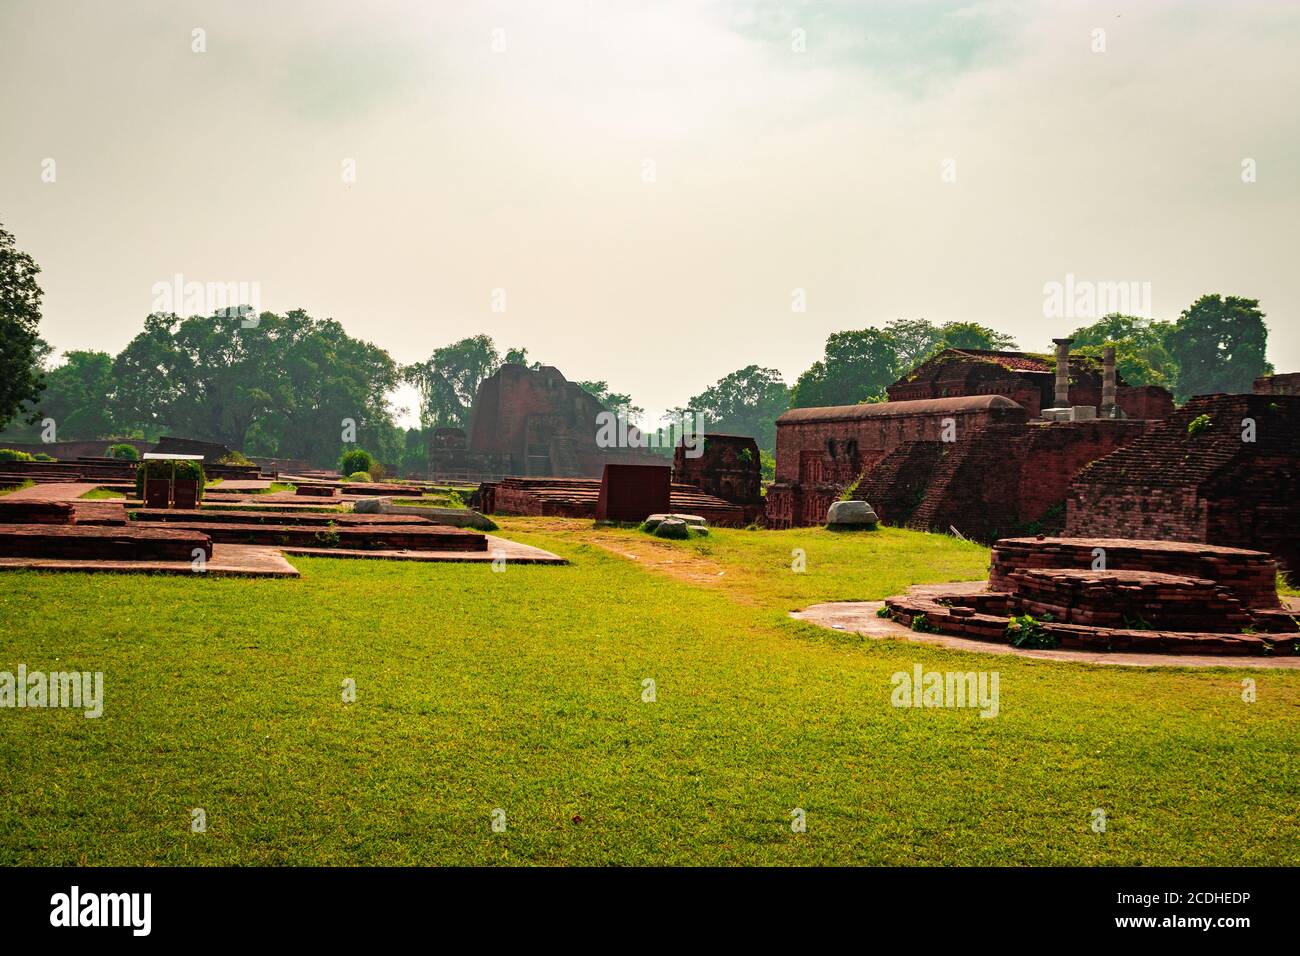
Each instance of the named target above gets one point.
<point>1219,346</point>
<point>856,368</point>
<point>78,396</point>
<point>21,348</point>
<point>449,380</point>
<point>746,402</point>
<point>972,335</point>
<point>616,402</point>
<point>291,386</point>
<point>1140,353</point>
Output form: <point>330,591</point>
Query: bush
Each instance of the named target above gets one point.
<point>1198,424</point>
<point>1027,631</point>
<point>358,459</point>
<point>233,458</point>
<point>185,471</point>
<point>12,454</point>
<point>41,456</point>
<point>359,476</point>
<point>122,452</point>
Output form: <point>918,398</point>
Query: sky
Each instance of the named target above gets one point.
<point>651,194</point>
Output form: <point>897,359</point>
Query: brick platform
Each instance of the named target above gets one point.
<point>389,537</point>
<point>1250,576</point>
<point>36,511</point>
<point>1129,598</point>
<point>312,518</point>
<point>104,543</point>
<point>578,497</point>
<point>1153,596</point>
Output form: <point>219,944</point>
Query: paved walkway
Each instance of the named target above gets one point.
<point>859,617</point>
<point>53,491</point>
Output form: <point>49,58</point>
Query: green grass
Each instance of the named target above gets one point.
<point>98,493</point>
<point>10,489</point>
<point>522,690</point>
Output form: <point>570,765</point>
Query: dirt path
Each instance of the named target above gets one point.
<point>661,557</point>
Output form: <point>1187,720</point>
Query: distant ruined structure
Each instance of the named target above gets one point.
<point>530,423</point>
<point>982,441</point>
<point>728,467</point>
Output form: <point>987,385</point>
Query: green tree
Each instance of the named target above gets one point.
<point>288,386</point>
<point>21,348</point>
<point>1140,353</point>
<point>617,402</point>
<point>972,335</point>
<point>855,368</point>
<point>78,396</point>
<point>746,402</point>
<point>449,379</point>
<point>1219,346</point>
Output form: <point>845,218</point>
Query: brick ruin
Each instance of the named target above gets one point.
<point>530,422</point>
<point>821,451</point>
<point>1150,596</point>
<point>1027,379</point>
<point>579,498</point>
<point>1287,384</point>
<point>1006,479</point>
<point>1203,482</point>
<point>729,468</point>
<point>962,442</point>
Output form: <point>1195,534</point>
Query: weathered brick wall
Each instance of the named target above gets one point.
<point>1209,486</point>
<point>1286,384</point>
<point>1144,401</point>
<point>633,492</point>
<point>728,468</point>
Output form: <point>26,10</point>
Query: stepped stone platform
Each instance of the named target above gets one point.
<point>579,497</point>
<point>36,511</point>
<point>1153,596</point>
<point>228,560</point>
<point>313,518</point>
<point>356,537</point>
<point>97,542</point>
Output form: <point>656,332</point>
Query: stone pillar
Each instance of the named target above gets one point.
<point>1062,372</point>
<point>1108,380</point>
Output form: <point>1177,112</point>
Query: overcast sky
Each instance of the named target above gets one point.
<point>649,183</point>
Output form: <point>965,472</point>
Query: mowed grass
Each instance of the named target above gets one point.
<point>522,691</point>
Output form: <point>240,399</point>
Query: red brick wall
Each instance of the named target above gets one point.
<point>633,492</point>
<point>1145,401</point>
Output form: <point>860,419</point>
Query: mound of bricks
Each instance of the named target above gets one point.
<point>1128,599</point>
<point>352,537</point>
<point>1153,596</point>
<point>102,543</point>
<point>1251,576</point>
<point>36,511</point>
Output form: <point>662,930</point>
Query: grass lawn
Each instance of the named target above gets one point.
<point>522,690</point>
<point>102,493</point>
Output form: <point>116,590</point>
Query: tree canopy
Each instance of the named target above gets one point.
<point>1219,346</point>
<point>21,348</point>
<point>746,402</point>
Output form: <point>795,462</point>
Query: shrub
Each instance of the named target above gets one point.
<point>358,459</point>
<point>185,471</point>
<point>12,454</point>
<point>1198,424</point>
<point>233,458</point>
<point>1027,631</point>
<point>41,456</point>
<point>359,476</point>
<point>122,452</point>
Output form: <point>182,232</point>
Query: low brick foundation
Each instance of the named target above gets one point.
<point>102,543</point>
<point>1153,596</point>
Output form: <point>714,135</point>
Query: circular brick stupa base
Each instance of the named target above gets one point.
<point>1112,594</point>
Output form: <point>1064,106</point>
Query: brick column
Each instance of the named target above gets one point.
<point>1062,372</point>
<point>1108,379</point>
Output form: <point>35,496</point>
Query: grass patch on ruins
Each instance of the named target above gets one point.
<point>95,494</point>
<point>10,489</point>
<point>522,691</point>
